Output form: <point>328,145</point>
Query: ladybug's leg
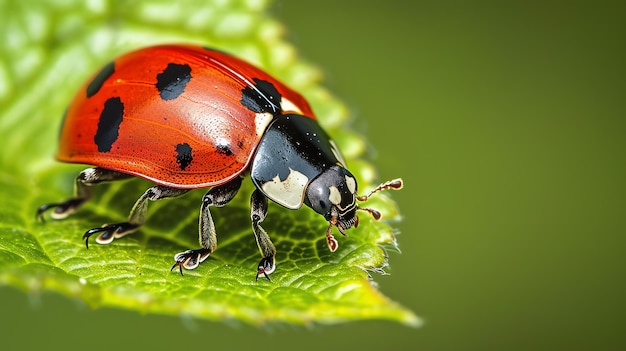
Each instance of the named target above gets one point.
<point>82,191</point>
<point>218,197</point>
<point>137,216</point>
<point>258,204</point>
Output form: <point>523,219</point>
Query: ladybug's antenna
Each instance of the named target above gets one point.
<point>395,184</point>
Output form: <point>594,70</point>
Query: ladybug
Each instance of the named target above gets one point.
<point>187,117</point>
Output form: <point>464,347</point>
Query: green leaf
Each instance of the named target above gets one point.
<point>50,49</point>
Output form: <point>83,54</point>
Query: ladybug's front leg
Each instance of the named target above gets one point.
<point>137,216</point>
<point>217,196</point>
<point>258,204</point>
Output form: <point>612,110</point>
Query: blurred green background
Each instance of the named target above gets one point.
<point>507,122</point>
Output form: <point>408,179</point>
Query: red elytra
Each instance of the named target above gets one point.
<point>187,117</point>
<point>147,141</point>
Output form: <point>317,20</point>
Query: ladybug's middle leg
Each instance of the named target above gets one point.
<point>137,216</point>
<point>218,197</point>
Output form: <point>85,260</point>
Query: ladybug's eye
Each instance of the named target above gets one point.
<point>334,188</point>
<point>323,204</point>
<point>317,198</point>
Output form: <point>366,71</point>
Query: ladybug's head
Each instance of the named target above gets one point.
<point>333,194</point>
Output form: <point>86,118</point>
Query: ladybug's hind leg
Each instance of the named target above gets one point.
<point>218,197</point>
<point>137,216</point>
<point>82,191</point>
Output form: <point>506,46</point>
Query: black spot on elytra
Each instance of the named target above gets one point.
<point>183,155</point>
<point>109,124</point>
<point>224,150</point>
<point>262,97</point>
<point>95,85</point>
<point>173,80</point>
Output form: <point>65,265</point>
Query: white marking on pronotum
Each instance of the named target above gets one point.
<point>288,106</point>
<point>289,192</point>
<point>335,195</point>
<point>351,183</point>
<point>261,121</point>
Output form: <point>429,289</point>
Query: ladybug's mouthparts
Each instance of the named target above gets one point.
<point>343,225</point>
